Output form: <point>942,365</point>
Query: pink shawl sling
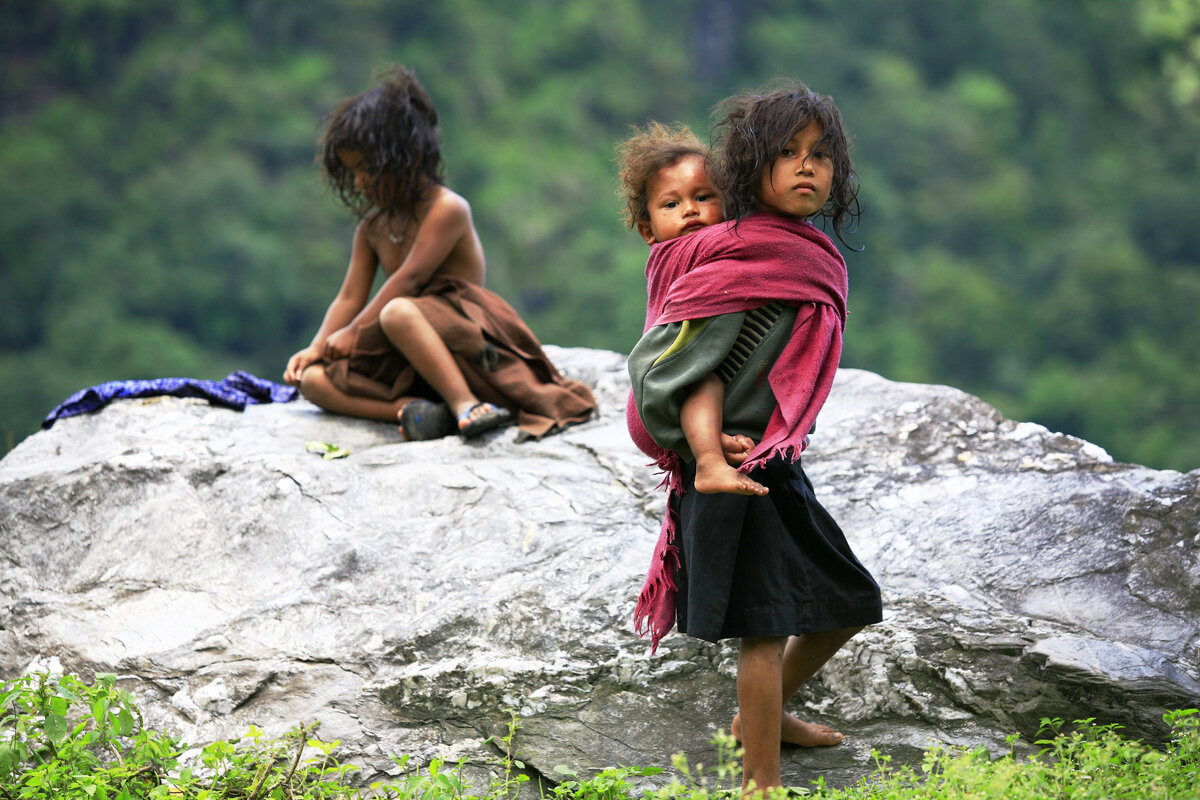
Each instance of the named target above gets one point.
<point>724,269</point>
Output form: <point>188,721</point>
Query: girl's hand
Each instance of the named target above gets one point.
<point>298,363</point>
<point>340,343</point>
<point>737,448</point>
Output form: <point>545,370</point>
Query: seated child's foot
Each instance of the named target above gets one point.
<point>421,420</point>
<point>794,730</point>
<point>715,478</point>
<point>481,418</point>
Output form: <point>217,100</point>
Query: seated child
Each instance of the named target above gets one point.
<point>664,180</point>
<point>431,332</point>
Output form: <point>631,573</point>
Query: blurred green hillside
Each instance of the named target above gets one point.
<point>1030,171</point>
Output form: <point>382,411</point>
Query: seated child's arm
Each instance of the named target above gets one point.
<point>446,224</point>
<point>350,299</point>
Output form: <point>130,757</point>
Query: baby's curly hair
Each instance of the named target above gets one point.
<point>642,155</point>
<point>753,131</point>
<point>395,127</point>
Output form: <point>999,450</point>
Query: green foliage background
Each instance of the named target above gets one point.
<point>1030,179</point>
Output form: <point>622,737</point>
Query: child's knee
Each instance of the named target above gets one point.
<point>314,385</point>
<point>398,314</point>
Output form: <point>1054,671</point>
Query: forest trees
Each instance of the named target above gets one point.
<point>1029,173</point>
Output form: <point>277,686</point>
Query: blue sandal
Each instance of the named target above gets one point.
<point>472,422</point>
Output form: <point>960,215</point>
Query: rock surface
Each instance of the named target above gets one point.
<point>409,594</point>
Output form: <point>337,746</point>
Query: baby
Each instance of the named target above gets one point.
<point>667,193</point>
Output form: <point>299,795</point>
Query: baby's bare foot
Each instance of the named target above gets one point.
<point>794,730</point>
<point>717,477</point>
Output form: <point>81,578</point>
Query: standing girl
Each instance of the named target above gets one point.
<point>761,301</point>
<point>431,332</point>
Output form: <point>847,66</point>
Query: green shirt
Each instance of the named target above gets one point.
<point>740,348</point>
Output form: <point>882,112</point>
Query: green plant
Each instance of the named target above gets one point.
<point>508,781</point>
<point>1091,761</point>
<point>609,784</point>
<point>437,782</point>
<point>64,739</point>
<point>61,738</point>
<point>725,779</point>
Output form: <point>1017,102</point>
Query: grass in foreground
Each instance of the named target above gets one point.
<point>64,739</point>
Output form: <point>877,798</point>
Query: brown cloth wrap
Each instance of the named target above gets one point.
<point>499,356</point>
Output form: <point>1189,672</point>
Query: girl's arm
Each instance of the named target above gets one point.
<point>445,225</point>
<point>350,299</point>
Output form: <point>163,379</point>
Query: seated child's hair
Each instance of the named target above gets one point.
<point>754,130</point>
<point>395,128</point>
<point>642,155</point>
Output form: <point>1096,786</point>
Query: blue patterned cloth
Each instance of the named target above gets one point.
<point>237,390</point>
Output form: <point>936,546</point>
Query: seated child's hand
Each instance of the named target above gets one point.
<point>737,448</point>
<point>298,363</point>
<point>340,343</point>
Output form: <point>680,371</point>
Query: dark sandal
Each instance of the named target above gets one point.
<point>422,420</point>
<point>493,417</point>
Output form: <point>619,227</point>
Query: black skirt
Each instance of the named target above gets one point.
<point>767,566</point>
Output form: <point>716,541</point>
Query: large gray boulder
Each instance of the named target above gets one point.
<point>410,594</point>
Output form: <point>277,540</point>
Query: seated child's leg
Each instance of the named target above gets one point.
<point>410,332</point>
<point>759,689</point>
<point>317,389</point>
<point>700,419</point>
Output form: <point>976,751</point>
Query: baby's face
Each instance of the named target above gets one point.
<point>681,201</point>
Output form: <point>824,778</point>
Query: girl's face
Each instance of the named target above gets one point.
<point>799,182</point>
<point>356,162</point>
<point>364,177</point>
<point>680,200</point>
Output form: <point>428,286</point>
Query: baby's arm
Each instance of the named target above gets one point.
<point>350,299</point>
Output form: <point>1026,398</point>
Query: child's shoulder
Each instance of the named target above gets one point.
<point>446,199</point>
<point>444,209</point>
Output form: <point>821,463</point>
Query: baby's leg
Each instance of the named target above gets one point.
<point>317,389</point>
<point>700,419</point>
<point>412,334</point>
<point>802,657</point>
<point>759,689</point>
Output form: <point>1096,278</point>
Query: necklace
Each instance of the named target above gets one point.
<point>394,238</point>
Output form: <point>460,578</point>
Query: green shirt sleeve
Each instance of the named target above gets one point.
<point>740,347</point>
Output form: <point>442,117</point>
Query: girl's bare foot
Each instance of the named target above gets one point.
<point>718,476</point>
<point>796,731</point>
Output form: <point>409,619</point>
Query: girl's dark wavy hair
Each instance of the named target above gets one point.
<point>755,127</point>
<point>395,128</point>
